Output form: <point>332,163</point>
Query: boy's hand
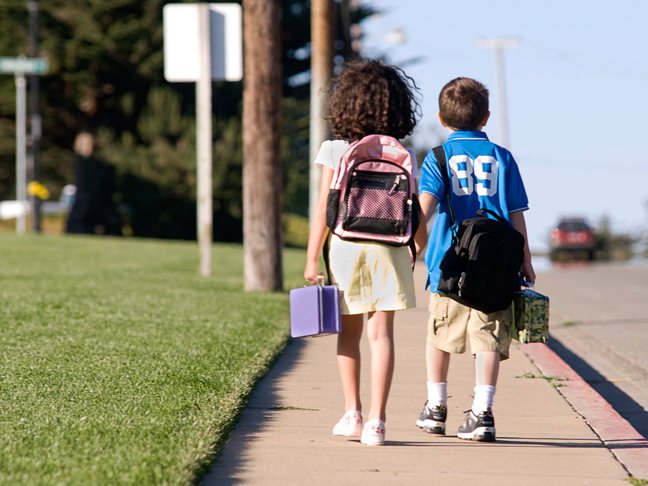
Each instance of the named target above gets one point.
<point>528,273</point>
<point>419,248</point>
<point>517,220</point>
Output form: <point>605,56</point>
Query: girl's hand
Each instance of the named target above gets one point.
<point>311,272</point>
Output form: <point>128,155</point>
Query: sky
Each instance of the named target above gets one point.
<point>576,94</point>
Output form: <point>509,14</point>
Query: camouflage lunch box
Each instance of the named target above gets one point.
<point>530,317</point>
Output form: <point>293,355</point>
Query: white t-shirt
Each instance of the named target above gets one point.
<point>331,152</point>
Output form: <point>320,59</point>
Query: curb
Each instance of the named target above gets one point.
<point>628,446</point>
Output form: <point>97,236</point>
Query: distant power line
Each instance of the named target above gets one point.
<point>593,65</point>
<point>563,163</point>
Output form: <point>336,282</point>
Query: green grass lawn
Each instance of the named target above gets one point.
<point>120,364</point>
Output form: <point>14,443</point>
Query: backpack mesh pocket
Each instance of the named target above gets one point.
<point>332,206</point>
<point>376,204</point>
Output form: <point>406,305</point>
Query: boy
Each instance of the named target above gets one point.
<point>482,175</point>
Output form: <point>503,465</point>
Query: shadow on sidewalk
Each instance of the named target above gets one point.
<point>258,413</point>
<point>517,442</point>
<point>625,406</point>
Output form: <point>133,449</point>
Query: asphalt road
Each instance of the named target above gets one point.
<point>599,326</point>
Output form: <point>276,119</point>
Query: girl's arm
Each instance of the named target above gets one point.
<point>517,221</point>
<point>319,230</point>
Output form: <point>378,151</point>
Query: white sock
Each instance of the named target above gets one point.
<point>483,398</point>
<point>437,393</point>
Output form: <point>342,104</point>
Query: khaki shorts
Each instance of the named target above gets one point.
<point>450,322</point>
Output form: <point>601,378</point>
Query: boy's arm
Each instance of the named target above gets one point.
<point>517,221</point>
<point>428,204</point>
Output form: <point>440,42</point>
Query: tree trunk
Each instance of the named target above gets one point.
<point>262,176</point>
<point>322,17</point>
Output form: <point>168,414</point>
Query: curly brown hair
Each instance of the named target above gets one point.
<point>369,98</point>
<point>463,103</point>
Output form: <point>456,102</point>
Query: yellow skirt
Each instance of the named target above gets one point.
<point>371,276</point>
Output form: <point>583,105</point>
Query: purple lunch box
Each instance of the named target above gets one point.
<point>315,311</point>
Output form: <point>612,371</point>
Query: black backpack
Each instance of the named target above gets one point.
<point>481,267</point>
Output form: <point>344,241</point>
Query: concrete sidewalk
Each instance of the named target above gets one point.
<point>284,436</point>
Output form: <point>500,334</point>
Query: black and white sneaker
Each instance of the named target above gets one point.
<point>478,427</point>
<point>432,420</point>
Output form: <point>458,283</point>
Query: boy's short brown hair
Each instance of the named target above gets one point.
<point>463,103</point>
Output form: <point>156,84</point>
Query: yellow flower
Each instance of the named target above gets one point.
<point>35,188</point>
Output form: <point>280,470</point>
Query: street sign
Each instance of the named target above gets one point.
<point>24,65</point>
<point>19,67</point>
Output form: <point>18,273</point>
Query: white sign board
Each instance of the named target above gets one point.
<point>14,209</point>
<point>181,47</point>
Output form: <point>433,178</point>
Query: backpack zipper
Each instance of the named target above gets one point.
<point>402,175</point>
<point>395,186</point>
<point>462,279</point>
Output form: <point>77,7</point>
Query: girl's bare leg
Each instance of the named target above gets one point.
<point>348,356</point>
<point>380,333</point>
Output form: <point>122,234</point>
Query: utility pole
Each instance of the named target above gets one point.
<point>498,46</point>
<point>321,70</point>
<point>35,136</point>
<point>204,142</point>
<point>21,155</point>
<point>262,177</point>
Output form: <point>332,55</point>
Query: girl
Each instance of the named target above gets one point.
<point>367,98</point>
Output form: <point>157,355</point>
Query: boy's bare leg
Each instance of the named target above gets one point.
<point>437,364</point>
<point>380,333</point>
<point>348,356</point>
<point>487,368</point>
<point>479,424</point>
<point>486,372</point>
<point>432,418</point>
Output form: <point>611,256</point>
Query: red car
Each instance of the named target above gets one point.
<point>573,236</point>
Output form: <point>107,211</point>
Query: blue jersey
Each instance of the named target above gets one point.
<point>482,175</point>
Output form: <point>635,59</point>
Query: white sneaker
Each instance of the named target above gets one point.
<point>373,433</point>
<point>350,425</point>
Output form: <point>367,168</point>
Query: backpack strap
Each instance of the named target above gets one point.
<point>412,247</point>
<point>440,155</point>
<point>325,254</point>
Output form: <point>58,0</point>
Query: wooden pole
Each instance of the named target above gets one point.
<point>34,108</point>
<point>204,142</point>
<point>262,178</point>
<point>321,70</point>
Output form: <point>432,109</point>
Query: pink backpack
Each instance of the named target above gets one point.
<point>372,195</point>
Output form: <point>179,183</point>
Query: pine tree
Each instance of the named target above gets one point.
<point>106,79</point>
